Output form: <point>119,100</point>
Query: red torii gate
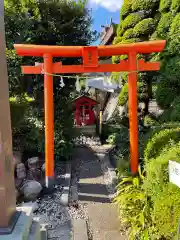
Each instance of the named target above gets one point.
<point>90,57</point>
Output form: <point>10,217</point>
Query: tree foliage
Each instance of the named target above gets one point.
<point>139,19</point>
<point>165,5</point>
<point>57,22</point>
<point>145,27</point>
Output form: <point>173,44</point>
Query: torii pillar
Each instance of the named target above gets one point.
<point>8,214</point>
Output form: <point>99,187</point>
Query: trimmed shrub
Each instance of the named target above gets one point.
<point>129,34</point>
<point>175,114</point>
<point>120,30</point>
<point>168,87</point>
<point>164,25</point>
<point>175,6</point>
<point>145,27</point>
<point>165,196</point>
<point>148,120</point>
<point>174,44</point>
<point>125,10</point>
<point>160,141</point>
<point>164,95</point>
<point>19,109</point>
<point>165,5</point>
<point>131,40</point>
<point>142,93</point>
<point>117,40</point>
<point>115,77</point>
<point>123,96</point>
<point>175,26</point>
<point>123,57</point>
<point>119,138</point>
<point>144,4</point>
<point>166,115</point>
<point>115,59</point>
<point>165,214</point>
<point>131,20</point>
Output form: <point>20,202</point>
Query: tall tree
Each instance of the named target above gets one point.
<point>138,21</point>
<point>167,93</point>
<point>46,22</point>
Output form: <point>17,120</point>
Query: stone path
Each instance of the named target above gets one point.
<point>100,214</point>
<point>91,184</point>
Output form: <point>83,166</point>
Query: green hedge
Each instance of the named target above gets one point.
<point>129,34</point>
<point>164,25</point>
<point>19,109</point>
<point>123,96</point>
<point>175,26</point>
<point>125,10</point>
<point>131,20</point>
<point>142,92</point>
<point>165,5</point>
<point>175,114</point>
<point>117,40</point>
<point>168,87</point>
<point>120,30</point>
<point>165,197</point>
<point>131,40</point>
<point>145,27</point>
<point>175,6</point>
<point>150,121</point>
<point>161,140</point>
<point>164,95</point>
<point>115,59</point>
<point>144,4</point>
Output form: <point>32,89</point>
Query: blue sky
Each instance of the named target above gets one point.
<point>103,10</point>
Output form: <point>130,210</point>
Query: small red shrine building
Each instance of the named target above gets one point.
<point>84,111</point>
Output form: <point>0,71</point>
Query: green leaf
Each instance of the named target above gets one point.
<point>142,219</point>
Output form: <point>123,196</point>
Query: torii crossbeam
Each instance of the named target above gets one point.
<point>90,56</point>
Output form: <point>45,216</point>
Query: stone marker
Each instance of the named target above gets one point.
<point>7,186</point>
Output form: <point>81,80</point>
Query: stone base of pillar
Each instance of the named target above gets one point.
<point>25,228</point>
<point>12,223</point>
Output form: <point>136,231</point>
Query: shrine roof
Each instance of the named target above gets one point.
<point>84,97</point>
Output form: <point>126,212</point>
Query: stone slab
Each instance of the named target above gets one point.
<point>23,225</point>
<point>63,232</point>
<point>64,200</point>
<point>103,218</point>
<point>79,229</point>
<point>114,235</point>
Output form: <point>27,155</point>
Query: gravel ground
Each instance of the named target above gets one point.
<point>87,141</point>
<point>49,210</point>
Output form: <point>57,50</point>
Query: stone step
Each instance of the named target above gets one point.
<point>22,228</point>
<point>104,220</point>
<point>114,235</point>
<point>79,229</point>
<point>62,232</point>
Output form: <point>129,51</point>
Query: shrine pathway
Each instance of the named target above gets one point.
<point>96,217</point>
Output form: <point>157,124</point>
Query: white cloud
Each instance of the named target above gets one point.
<point>111,5</point>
